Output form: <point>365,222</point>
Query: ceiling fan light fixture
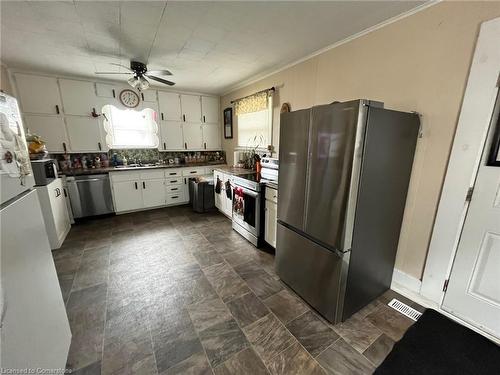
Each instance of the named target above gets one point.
<point>134,82</point>
<point>143,83</point>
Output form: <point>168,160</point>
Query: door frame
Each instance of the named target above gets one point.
<point>470,138</point>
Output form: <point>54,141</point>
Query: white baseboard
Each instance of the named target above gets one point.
<point>403,279</point>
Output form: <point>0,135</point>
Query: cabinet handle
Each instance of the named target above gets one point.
<point>173,181</point>
<point>135,185</point>
<point>57,109</point>
<point>94,113</point>
<point>184,181</point>
<point>65,193</point>
<point>64,147</point>
<point>184,118</point>
<point>175,196</point>
<point>162,118</point>
<point>172,173</point>
<point>99,145</point>
<point>143,185</point>
<point>185,145</point>
<point>192,172</point>
<point>174,189</point>
<point>205,144</point>
<point>204,118</point>
<point>142,96</point>
<point>114,94</point>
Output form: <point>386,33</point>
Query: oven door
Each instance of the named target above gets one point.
<point>246,209</point>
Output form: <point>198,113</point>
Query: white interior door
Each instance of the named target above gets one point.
<point>473,292</point>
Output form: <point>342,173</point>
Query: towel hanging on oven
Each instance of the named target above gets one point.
<point>229,193</point>
<point>218,186</point>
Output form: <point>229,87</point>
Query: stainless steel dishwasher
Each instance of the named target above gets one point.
<point>90,195</point>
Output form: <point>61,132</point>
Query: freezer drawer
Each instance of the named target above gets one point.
<point>312,271</point>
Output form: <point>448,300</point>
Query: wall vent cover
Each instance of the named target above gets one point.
<point>405,309</point>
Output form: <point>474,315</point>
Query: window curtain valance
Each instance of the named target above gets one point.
<point>252,103</point>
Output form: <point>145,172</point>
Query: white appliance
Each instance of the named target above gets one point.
<point>34,327</point>
<point>55,212</point>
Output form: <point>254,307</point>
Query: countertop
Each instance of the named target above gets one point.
<point>79,172</point>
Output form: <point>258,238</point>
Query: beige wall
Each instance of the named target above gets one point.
<point>419,63</point>
<point>4,81</point>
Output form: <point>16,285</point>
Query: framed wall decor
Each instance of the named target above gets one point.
<point>228,123</point>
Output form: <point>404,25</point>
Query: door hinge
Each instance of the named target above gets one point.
<point>468,197</point>
<point>445,285</point>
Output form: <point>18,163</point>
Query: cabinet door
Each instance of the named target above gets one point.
<point>211,137</point>
<point>171,135</point>
<point>105,90</point>
<point>84,134</point>
<point>193,138</point>
<point>153,193</point>
<point>59,210</point>
<point>170,106</point>
<point>148,96</point>
<point>191,108</point>
<point>78,97</point>
<point>270,223</point>
<point>127,195</point>
<point>38,94</point>
<point>210,109</point>
<point>50,129</point>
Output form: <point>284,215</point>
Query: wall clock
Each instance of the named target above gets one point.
<point>129,98</point>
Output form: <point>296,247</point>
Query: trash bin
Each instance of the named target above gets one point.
<point>201,194</point>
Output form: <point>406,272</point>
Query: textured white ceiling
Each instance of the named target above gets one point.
<point>208,46</point>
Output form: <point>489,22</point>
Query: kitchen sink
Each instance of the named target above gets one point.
<point>146,165</point>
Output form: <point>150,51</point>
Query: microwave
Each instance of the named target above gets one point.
<point>44,171</point>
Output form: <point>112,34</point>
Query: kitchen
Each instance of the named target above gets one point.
<point>189,210</point>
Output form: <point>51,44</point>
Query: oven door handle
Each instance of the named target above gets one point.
<point>248,192</point>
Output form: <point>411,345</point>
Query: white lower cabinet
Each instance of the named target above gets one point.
<point>55,212</point>
<point>271,216</point>
<point>223,200</point>
<point>127,196</point>
<point>153,192</point>
<point>134,190</point>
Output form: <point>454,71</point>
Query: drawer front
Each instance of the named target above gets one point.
<point>173,173</point>
<point>175,198</point>
<point>149,175</point>
<point>174,181</point>
<point>124,176</point>
<point>271,194</point>
<point>193,171</point>
<point>174,189</point>
<point>212,169</point>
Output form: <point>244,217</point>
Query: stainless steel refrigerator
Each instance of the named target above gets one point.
<point>344,175</point>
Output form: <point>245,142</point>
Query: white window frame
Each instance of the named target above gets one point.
<point>262,148</point>
<point>111,130</point>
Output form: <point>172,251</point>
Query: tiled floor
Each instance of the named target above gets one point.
<point>173,292</point>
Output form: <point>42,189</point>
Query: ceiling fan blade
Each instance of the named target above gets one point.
<point>122,66</point>
<point>160,72</point>
<point>160,80</point>
<point>112,73</point>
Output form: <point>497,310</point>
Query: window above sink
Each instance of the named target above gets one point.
<point>128,128</point>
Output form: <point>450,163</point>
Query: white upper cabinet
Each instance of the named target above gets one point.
<point>171,136</point>
<point>193,139</point>
<point>148,96</point>
<point>191,108</point>
<point>38,94</point>
<point>170,106</point>
<point>210,109</point>
<point>78,97</point>
<point>84,134</point>
<point>106,90</point>
<point>211,137</point>
<point>50,129</point>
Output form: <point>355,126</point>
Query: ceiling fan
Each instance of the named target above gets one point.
<point>139,73</point>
